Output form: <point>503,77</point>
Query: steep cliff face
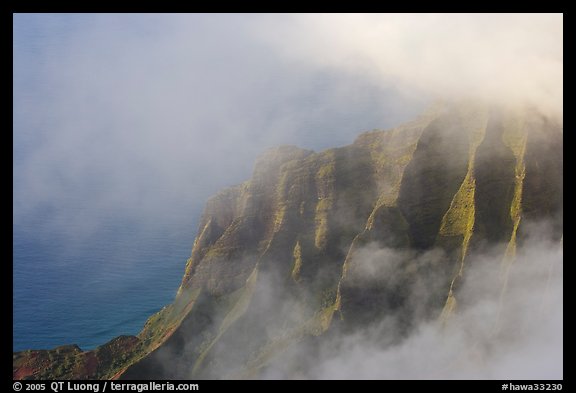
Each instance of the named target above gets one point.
<point>280,260</point>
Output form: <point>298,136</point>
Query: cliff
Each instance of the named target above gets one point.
<point>278,260</point>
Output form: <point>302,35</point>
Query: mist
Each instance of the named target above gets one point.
<point>135,114</point>
<point>143,115</point>
<point>506,59</point>
<point>124,125</point>
<point>140,118</point>
<point>505,326</point>
<point>515,334</point>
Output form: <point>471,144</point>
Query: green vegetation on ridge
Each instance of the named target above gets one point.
<point>332,240</point>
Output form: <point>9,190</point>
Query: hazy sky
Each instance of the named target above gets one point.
<point>143,114</point>
<point>505,58</point>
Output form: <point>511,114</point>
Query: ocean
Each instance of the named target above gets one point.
<point>89,292</point>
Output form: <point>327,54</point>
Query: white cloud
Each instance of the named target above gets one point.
<point>523,341</point>
<point>510,58</point>
<point>148,115</point>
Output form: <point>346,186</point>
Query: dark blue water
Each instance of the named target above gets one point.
<point>87,292</point>
<point>83,273</point>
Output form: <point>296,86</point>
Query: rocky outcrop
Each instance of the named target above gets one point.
<point>280,260</point>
